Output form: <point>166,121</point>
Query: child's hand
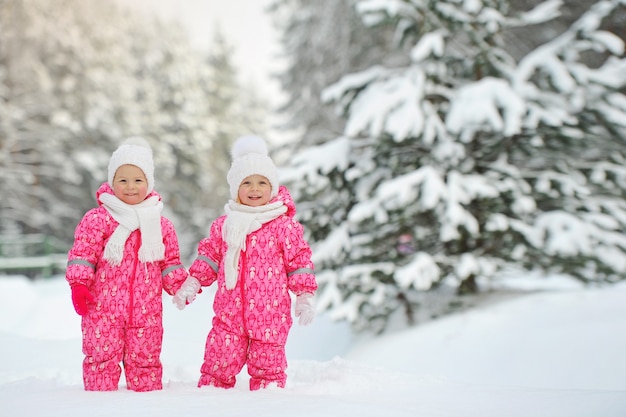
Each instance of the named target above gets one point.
<point>187,292</point>
<point>81,298</point>
<point>304,308</point>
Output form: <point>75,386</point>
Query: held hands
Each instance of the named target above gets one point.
<point>304,308</point>
<point>81,298</point>
<point>187,292</point>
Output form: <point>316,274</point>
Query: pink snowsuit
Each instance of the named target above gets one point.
<point>124,324</point>
<point>252,321</point>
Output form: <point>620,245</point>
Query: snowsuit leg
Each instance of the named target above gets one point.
<point>103,347</point>
<point>142,364</point>
<point>224,357</point>
<point>267,363</point>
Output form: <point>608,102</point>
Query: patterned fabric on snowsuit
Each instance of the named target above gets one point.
<point>124,325</point>
<point>252,321</point>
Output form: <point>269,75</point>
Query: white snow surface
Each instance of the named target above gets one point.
<point>558,352</point>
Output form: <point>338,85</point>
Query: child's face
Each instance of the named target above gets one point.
<point>130,184</point>
<point>254,191</point>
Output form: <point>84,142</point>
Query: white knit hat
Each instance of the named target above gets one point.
<point>134,151</point>
<point>250,157</point>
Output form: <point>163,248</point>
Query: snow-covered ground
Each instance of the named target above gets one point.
<point>555,353</point>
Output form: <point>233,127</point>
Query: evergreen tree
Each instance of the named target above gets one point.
<point>235,110</point>
<point>44,78</point>
<point>467,162</point>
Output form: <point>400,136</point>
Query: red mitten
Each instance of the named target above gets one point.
<point>81,297</point>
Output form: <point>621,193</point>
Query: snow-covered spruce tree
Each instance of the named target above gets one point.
<point>466,163</point>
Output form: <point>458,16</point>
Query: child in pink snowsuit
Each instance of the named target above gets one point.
<point>257,254</point>
<point>124,255</point>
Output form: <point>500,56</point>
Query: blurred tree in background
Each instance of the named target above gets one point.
<point>79,76</point>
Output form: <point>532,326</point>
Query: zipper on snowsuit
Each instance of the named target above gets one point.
<point>131,286</point>
<point>241,274</point>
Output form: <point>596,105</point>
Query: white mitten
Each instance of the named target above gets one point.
<point>187,292</point>
<point>304,308</point>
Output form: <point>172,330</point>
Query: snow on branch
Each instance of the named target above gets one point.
<point>338,241</point>
<point>376,11</point>
<point>607,41</point>
<point>352,82</point>
<point>542,13</point>
<point>584,34</point>
<point>316,162</point>
<point>423,187</point>
<point>612,74</point>
<point>430,45</point>
<point>386,101</point>
<point>420,273</point>
<point>488,104</point>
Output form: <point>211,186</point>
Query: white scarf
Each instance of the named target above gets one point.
<point>241,220</point>
<point>145,216</point>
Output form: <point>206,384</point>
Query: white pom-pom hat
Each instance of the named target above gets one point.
<point>250,157</point>
<point>134,151</point>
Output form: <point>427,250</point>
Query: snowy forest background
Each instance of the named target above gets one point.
<point>432,146</point>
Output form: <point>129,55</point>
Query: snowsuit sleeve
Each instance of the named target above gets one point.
<point>297,255</point>
<point>83,257</point>
<point>210,253</point>
<point>173,272</point>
